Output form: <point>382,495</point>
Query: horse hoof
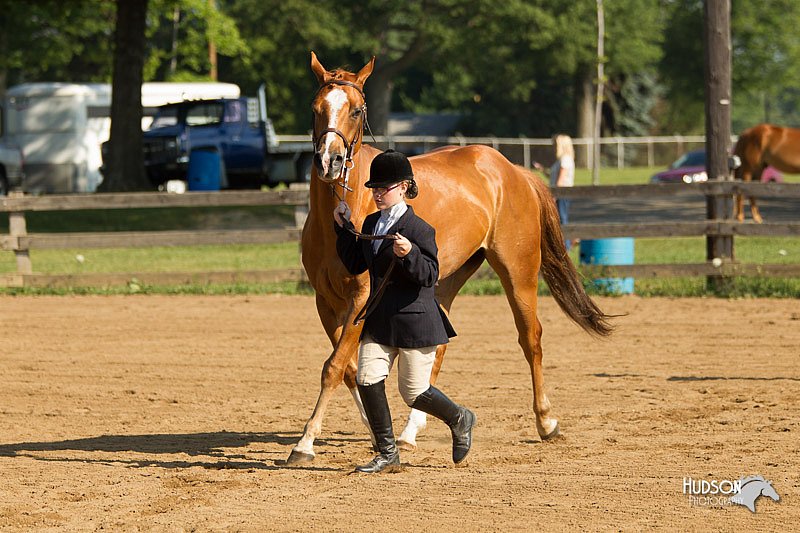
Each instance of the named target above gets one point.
<point>296,458</point>
<point>553,434</point>
<point>406,445</point>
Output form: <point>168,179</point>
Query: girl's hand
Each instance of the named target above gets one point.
<point>401,246</point>
<point>341,213</point>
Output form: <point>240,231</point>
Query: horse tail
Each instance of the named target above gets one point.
<point>560,274</point>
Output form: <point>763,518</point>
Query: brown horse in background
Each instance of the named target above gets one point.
<point>482,207</point>
<point>759,147</point>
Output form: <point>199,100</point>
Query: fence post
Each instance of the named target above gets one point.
<point>18,228</point>
<point>526,154</point>
<point>300,216</point>
<point>717,37</point>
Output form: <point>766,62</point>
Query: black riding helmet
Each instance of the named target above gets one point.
<point>391,167</point>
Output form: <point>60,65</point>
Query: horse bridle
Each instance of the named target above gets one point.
<point>344,173</point>
<point>343,176</point>
<point>349,145</point>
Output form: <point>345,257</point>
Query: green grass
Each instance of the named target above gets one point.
<point>636,176</point>
<point>617,176</point>
<point>160,259</point>
<point>180,218</point>
<point>291,288</point>
<point>756,250</point>
<point>759,250</point>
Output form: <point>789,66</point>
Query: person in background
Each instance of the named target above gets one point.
<point>562,174</point>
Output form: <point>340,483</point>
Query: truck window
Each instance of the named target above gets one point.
<point>233,113</point>
<point>167,116</point>
<point>204,114</point>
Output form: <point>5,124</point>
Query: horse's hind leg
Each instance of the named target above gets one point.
<point>518,276</point>
<point>446,292</point>
<point>418,420</point>
<point>754,211</point>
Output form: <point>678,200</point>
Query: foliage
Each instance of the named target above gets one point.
<point>54,40</point>
<point>178,38</point>
<point>509,68</point>
<point>765,51</point>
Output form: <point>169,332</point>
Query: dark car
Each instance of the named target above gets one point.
<point>691,168</point>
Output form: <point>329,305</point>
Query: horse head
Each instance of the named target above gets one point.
<point>769,491</point>
<point>340,110</point>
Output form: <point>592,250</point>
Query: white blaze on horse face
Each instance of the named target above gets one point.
<point>336,99</point>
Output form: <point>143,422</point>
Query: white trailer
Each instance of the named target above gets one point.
<point>60,127</point>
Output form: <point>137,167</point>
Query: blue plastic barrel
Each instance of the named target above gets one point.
<point>617,251</point>
<point>204,170</point>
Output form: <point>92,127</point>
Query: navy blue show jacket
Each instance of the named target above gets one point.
<point>407,314</point>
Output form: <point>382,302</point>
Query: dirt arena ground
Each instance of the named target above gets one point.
<point>177,413</point>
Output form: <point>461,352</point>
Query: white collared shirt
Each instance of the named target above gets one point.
<point>387,220</point>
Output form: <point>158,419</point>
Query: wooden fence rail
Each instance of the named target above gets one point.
<point>20,242</point>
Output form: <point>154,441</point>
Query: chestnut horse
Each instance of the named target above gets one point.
<point>760,146</point>
<point>482,207</point>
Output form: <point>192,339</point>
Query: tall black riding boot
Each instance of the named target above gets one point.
<point>380,421</point>
<point>460,419</point>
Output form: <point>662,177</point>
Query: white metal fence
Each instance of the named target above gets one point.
<point>615,152</point>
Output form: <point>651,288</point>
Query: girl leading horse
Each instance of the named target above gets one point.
<point>482,206</point>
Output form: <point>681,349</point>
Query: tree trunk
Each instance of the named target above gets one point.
<point>125,164</point>
<point>585,95</point>
<point>4,29</point>
<point>380,85</point>
<point>379,89</point>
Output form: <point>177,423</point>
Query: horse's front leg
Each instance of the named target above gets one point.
<point>332,376</point>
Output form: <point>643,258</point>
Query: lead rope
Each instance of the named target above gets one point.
<point>369,305</point>
<point>344,176</point>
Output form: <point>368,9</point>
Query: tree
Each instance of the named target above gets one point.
<point>765,52</point>
<point>55,40</point>
<point>125,163</point>
<point>281,34</point>
<point>179,35</point>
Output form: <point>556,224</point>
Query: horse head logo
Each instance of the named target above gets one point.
<point>752,488</point>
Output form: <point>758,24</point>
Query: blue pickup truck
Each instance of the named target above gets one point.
<point>237,129</point>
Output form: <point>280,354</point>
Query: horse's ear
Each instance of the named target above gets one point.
<point>323,76</point>
<point>364,73</point>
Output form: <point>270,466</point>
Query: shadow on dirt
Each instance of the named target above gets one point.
<point>215,446</point>
<point>731,378</point>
